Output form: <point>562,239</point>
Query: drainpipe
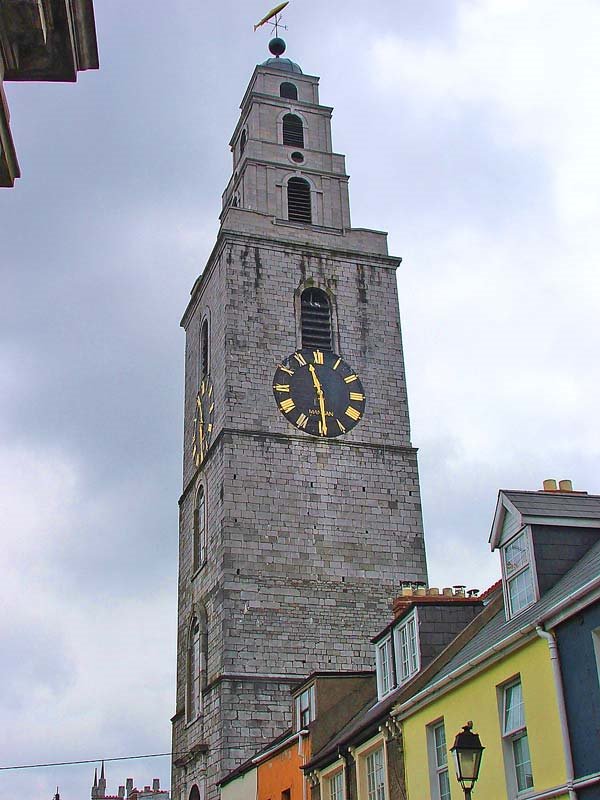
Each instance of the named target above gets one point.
<point>301,735</point>
<point>562,711</point>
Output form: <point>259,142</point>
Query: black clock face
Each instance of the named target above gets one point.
<point>203,421</point>
<point>319,393</point>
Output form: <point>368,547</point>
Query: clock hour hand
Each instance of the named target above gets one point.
<point>320,396</point>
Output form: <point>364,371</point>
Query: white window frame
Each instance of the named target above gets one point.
<point>384,659</point>
<point>510,736</point>
<point>525,568</point>
<point>336,772</point>
<point>596,644</point>
<point>309,693</point>
<point>437,768</point>
<point>407,635</point>
<point>362,755</point>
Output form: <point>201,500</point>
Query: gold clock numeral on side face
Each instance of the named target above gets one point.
<point>350,378</point>
<point>202,388</point>
<point>318,357</point>
<point>211,408</point>
<point>285,369</point>
<point>282,387</point>
<point>287,405</point>
<point>352,412</point>
<point>337,363</point>
<point>340,426</point>
<point>300,359</point>
<point>301,421</point>
<point>210,427</point>
<point>356,396</point>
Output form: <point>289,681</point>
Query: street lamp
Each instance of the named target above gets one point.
<point>467,751</point>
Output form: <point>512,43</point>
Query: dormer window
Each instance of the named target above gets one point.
<point>288,90</point>
<point>407,649</point>
<point>385,668</point>
<point>517,569</point>
<point>305,708</point>
<point>293,131</point>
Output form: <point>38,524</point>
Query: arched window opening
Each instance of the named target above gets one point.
<point>315,316</point>
<point>195,793</point>
<point>199,530</point>
<point>194,697</point>
<point>298,195</point>
<point>204,350</point>
<point>243,140</point>
<point>289,91</point>
<point>293,132</point>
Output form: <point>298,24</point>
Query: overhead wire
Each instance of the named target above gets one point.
<point>84,761</point>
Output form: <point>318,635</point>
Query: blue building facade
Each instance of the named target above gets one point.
<point>578,640</point>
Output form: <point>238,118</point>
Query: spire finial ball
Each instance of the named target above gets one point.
<point>277,46</point>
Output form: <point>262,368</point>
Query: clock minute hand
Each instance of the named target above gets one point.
<point>321,397</point>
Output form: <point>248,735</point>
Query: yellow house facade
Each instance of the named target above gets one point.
<point>481,696</point>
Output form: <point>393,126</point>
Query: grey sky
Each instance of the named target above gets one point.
<point>471,133</point>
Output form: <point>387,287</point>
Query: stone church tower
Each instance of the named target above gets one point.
<point>300,515</point>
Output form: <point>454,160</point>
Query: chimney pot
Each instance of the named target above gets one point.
<point>433,591</point>
<point>129,785</point>
<point>156,785</point>
<point>565,486</point>
<point>121,791</point>
<point>407,591</point>
<point>549,485</point>
<point>420,591</point>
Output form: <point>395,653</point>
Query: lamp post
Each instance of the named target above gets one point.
<point>467,751</point>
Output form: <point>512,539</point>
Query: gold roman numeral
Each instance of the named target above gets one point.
<point>211,408</point>
<point>300,359</point>
<point>356,396</point>
<point>202,388</point>
<point>287,405</point>
<point>317,356</point>
<point>301,421</point>
<point>285,369</point>
<point>350,378</point>
<point>352,412</point>
<point>337,363</point>
<point>282,387</point>
<point>340,426</point>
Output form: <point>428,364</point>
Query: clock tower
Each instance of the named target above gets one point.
<point>300,516</point>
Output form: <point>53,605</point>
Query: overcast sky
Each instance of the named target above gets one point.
<point>472,132</point>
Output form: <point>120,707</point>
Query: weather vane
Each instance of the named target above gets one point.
<point>273,18</point>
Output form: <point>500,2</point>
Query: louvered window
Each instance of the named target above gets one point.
<point>204,350</point>
<point>293,132</point>
<point>298,194</point>
<point>289,91</point>
<point>315,314</point>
